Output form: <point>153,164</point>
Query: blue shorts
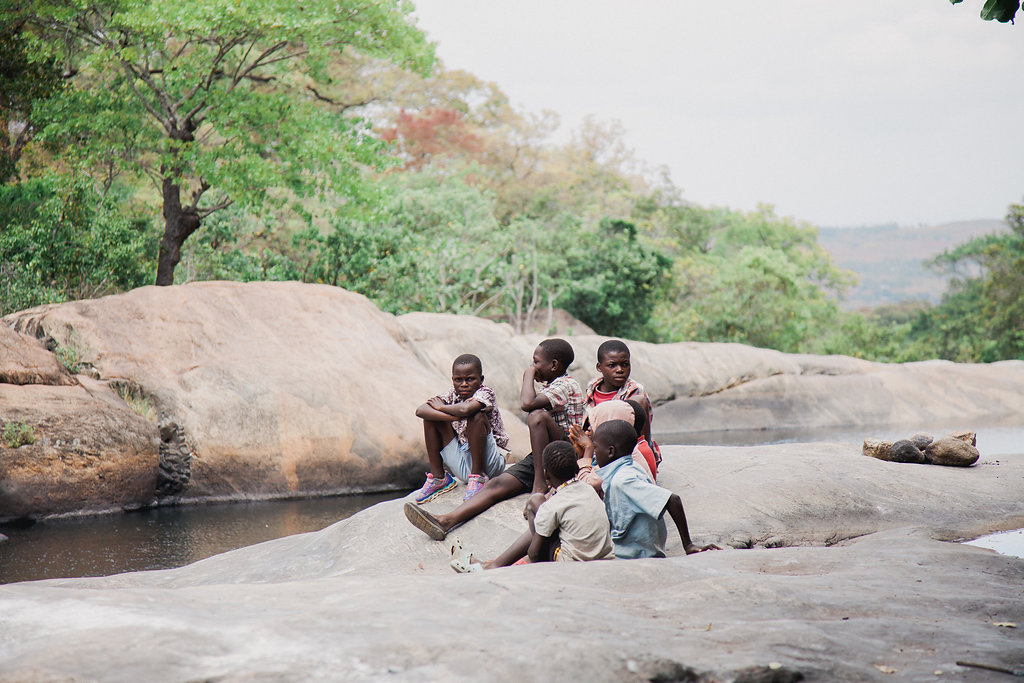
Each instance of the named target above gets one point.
<point>459,462</point>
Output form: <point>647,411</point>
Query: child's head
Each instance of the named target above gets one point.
<point>613,363</point>
<point>552,358</point>
<point>611,410</point>
<point>560,463</point>
<point>467,375</point>
<point>640,416</point>
<point>612,440</point>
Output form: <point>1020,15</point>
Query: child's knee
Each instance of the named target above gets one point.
<point>534,502</point>
<point>478,421</point>
<point>538,417</point>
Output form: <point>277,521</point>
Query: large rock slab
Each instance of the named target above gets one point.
<point>290,389</point>
<point>371,597</point>
<point>276,388</point>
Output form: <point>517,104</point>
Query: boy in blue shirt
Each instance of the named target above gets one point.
<point>635,505</point>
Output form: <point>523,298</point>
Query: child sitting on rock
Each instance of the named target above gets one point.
<point>629,411</point>
<point>568,524</point>
<point>551,412</point>
<point>635,506</point>
<point>462,431</point>
<point>615,383</point>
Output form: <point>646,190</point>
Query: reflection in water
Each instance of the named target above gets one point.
<point>162,538</point>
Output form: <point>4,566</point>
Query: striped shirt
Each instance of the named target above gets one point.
<point>567,403</point>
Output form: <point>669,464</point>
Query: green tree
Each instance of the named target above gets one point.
<point>217,101</point>
<point>61,240</point>
<point>1001,10</point>
<point>612,279</point>
<point>23,82</point>
<point>982,316</point>
<point>748,277</point>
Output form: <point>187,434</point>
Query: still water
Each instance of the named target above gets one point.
<point>164,537</point>
<point>173,537</point>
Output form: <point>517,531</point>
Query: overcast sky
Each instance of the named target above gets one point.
<point>838,113</point>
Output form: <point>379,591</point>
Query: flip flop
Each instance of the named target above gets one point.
<point>424,521</point>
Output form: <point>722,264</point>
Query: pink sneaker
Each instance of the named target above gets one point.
<point>473,485</point>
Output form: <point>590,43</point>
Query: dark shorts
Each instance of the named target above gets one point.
<point>523,471</point>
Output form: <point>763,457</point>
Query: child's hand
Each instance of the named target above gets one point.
<point>580,439</point>
<point>436,403</point>
<point>691,549</point>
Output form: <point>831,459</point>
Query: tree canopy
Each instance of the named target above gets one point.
<point>219,102</point>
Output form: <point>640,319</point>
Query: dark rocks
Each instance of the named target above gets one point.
<point>956,450</point>
<point>906,451</point>
<point>175,468</point>
<point>921,440</point>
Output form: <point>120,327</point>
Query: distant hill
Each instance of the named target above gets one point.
<point>889,259</point>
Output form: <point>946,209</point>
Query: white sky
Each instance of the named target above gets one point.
<point>838,113</point>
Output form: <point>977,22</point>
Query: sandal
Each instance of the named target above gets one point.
<point>462,561</point>
<point>424,521</point>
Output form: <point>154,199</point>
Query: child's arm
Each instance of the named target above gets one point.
<point>538,543</point>
<point>438,410</point>
<point>675,510</point>
<point>528,397</point>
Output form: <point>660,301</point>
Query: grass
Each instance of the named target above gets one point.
<point>15,434</point>
<point>137,400</point>
<point>70,354</point>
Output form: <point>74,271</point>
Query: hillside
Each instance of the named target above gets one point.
<point>889,259</point>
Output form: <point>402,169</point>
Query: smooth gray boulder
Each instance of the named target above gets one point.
<point>864,593</point>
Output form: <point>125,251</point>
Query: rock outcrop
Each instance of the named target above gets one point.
<point>288,389</point>
<point>847,578</point>
<point>24,360</point>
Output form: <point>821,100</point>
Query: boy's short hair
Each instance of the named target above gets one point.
<point>469,359</point>
<point>611,346</point>
<point>620,434</point>
<point>558,349</point>
<point>560,460</point>
<point>639,416</point>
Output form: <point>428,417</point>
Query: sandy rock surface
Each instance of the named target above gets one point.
<point>372,598</point>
